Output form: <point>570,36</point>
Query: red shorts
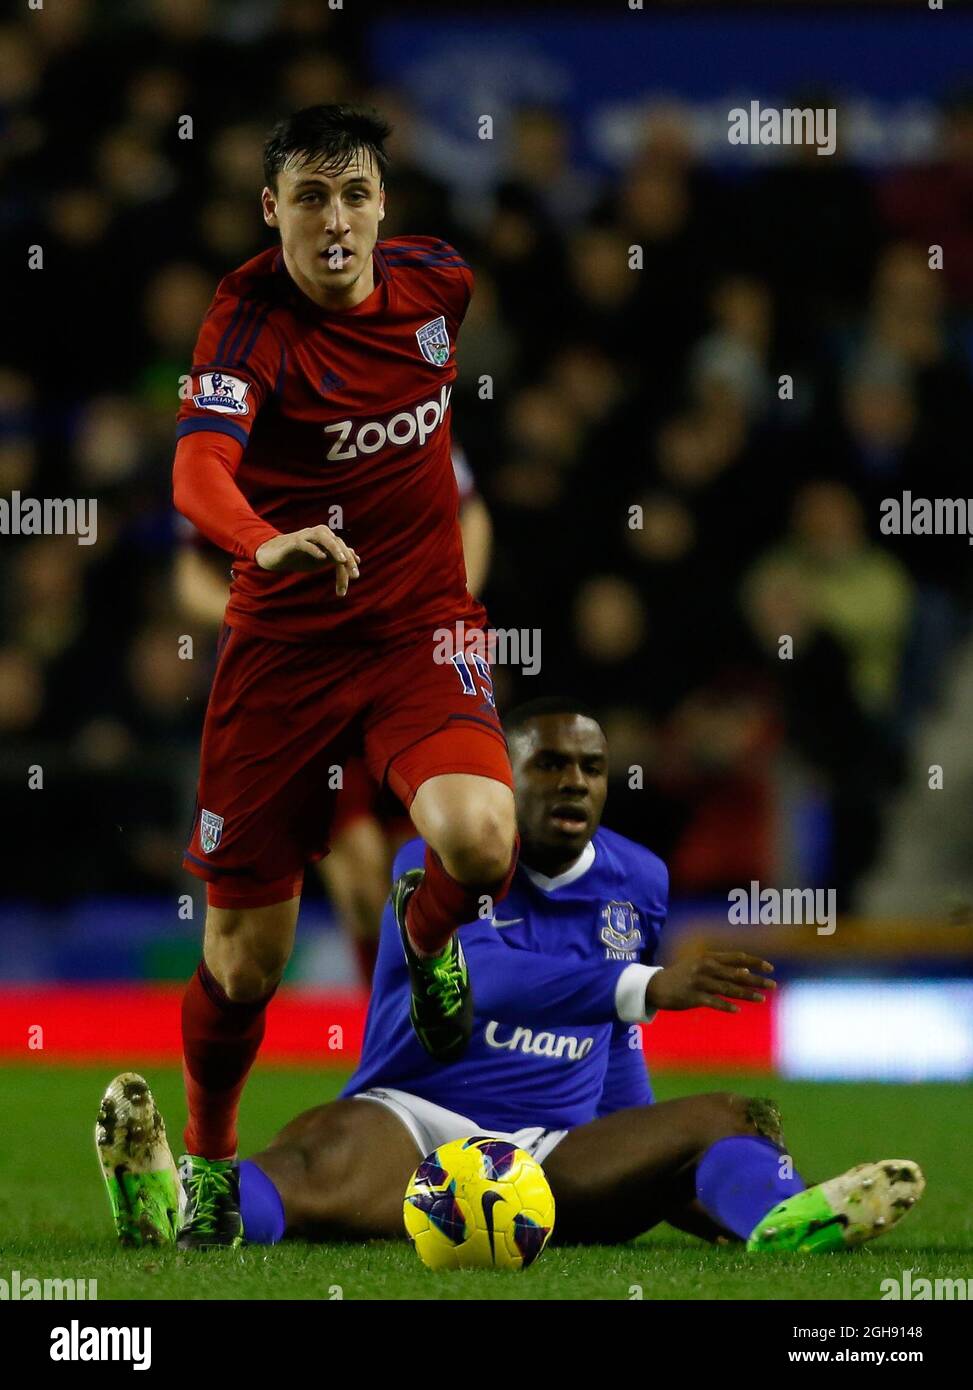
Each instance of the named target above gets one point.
<point>362,797</point>
<point>284,717</point>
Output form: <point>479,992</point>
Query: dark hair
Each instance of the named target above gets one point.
<point>328,137</point>
<point>521,715</point>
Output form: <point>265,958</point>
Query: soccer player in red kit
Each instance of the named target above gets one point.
<point>315,449</point>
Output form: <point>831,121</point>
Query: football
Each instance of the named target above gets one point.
<point>479,1203</point>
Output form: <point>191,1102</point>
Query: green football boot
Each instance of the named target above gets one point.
<point>441,1009</point>
<point>138,1168</point>
<point>844,1212</point>
<point>212,1203</point>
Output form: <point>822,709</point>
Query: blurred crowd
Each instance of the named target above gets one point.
<point>684,458</point>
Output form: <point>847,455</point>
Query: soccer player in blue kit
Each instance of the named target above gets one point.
<point>562,977</point>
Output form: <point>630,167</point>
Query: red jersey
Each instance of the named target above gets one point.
<point>337,418</point>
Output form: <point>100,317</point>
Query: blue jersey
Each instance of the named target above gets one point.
<point>558,974</point>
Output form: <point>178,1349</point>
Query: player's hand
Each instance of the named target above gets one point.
<point>710,982</point>
<point>309,549</point>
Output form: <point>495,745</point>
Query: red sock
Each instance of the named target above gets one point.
<point>440,904</point>
<point>220,1041</point>
<point>366,953</point>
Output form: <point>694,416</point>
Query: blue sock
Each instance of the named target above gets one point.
<point>260,1206</point>
<point>738,1181</point>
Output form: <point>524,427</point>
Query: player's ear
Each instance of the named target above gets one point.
<point>381,202</point>
<point>268,200</point>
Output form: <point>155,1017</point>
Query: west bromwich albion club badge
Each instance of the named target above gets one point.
<point>210,831</point>
<point>434,341</point>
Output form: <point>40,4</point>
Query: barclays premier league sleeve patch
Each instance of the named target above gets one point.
<point>227,395</point>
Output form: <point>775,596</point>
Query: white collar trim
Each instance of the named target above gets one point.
<point>580,866</point>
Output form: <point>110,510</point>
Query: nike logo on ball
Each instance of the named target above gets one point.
<point>489,1201</point>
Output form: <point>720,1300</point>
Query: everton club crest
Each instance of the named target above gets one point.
<point>434,341</point>
<point>620,932</point>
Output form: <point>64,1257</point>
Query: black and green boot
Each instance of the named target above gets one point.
<point>212,1189</point>
<point>442,997</point>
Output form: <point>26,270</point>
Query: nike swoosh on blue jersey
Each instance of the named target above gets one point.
<point>510,921</point>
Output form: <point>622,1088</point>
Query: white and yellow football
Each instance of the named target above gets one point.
<point>479,1203</point>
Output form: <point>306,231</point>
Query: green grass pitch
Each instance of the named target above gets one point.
<point>54,1220</point>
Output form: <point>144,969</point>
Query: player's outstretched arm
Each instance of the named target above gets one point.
<point>530,987</point>
<point>309,549</point>
<point>710,981</point>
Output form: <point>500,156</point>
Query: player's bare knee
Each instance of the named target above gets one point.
<point>480,864</point>
<point>478,849</point>
<point>248,971</point>
<point>246,983</point>
<point>737,1112</point>
<point>729,1114</point>
<point>246,956</point>
<point>720,1115</point>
